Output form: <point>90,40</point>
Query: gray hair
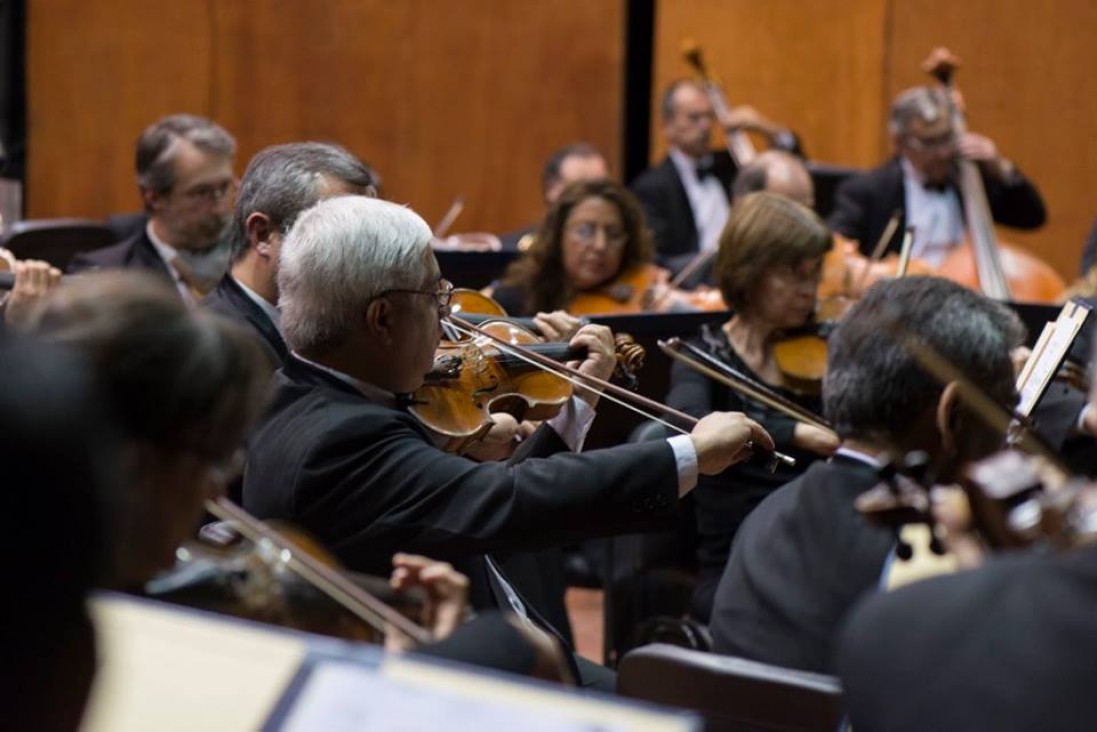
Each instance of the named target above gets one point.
<point>283,180</point>
<point>874,389</point>
<point>340,254</point>
<point>157,146</point>
<point>922,102</point>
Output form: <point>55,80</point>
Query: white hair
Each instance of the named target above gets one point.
<point>339,255</point>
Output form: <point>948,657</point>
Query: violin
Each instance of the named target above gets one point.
<point>278,575</point>
<point>473,377</point>
<point>633,291</point>
<point>673,419</point>
<point>999,270</point>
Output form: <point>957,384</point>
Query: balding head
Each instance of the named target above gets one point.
<point>776,172</point>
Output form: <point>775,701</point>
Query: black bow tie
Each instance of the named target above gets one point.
<point>936,187</point>
<point>705,168</point>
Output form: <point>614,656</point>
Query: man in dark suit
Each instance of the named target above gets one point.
<point>184,173</point>
<point>1006,647</point>
<point>920,182</point>
<point>685,197</point>
<point>570,164</point>
<point>803,557</point>
<point>338,453</point>
<point>280,182</point>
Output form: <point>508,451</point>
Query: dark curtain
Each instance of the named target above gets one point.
<point>13,103</point>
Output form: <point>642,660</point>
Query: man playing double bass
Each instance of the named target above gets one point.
<point>920,181</point>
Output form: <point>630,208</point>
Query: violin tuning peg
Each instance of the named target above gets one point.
<point>935,544</point>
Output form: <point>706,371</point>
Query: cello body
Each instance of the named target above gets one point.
<point>1030,279</point>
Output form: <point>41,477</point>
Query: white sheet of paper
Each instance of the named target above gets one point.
<point>341,697</point>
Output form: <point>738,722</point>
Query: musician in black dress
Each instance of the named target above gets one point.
<point>768,269</point>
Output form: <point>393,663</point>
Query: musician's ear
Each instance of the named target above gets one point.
<point>378,321</point>
<point>949,419</point>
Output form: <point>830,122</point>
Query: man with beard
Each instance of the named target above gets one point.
<point>184,172</point>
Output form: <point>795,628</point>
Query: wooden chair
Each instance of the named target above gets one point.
<point>732,694</point>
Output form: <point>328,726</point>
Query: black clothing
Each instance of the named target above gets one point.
<point>125,226</point>
<point>137,252</point>
<point>1007,647</point>
<point>367,481</point>
<point>800,561</point>
<point>230,300</point>
<point>668,212</point>
<point>724,500</point>
<point>865,203</point>
<point>1089,252</point>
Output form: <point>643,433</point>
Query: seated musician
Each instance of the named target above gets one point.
<point>181,387</point>
<point>771,254</point>
<point>570,164</point>
<point>280,182</point>
<point>921,182</point>
<point>184,173</point>
<point>1007,646</point>
<point>361,306</point>
<point>804,555</point>
<point>685,197</point>
<point>592,255</point>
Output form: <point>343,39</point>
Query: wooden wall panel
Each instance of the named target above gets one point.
<point>1028,80</point>
<point>814,65</point>
<point>464,97</point>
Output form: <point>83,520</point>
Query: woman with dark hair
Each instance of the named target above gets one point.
<point>768,269</point>
<point>592,240</point>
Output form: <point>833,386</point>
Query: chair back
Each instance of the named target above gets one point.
<point>55,240</point>
<point>732,694</point>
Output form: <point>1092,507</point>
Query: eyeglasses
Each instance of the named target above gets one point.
<point>443,293</point>
<point>210,193</point>
<point>927,144</point>
<point>586,234</point>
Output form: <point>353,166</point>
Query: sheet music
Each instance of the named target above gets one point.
<point>341,697</point>
<point>1048,354</point>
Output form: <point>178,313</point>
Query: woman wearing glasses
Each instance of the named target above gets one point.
<point>592,254</point>
<point>768,269</point>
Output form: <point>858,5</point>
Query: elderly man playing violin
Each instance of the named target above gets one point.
<point>362,302</point>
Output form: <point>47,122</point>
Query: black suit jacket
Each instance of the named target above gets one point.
<point>137,252</point>
<point>230,300</point>
<point>367,481</point>
<point>798,563</point>
<point>1009,646</point>
<point>865,203</point>
<point>667,208</point>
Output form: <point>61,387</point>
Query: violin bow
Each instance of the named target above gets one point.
<point>719,371</point>
<point>328,580</point>
<point>637,403</point>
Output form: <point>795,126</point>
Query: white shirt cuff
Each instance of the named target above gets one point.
<point>573,423</point>
<point>685,457</point>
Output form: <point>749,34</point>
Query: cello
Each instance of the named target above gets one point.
<point>999,270</point>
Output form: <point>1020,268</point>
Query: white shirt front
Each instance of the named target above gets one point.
<point>707,199</point>
<point>936,216</point>
<point>168,254</point>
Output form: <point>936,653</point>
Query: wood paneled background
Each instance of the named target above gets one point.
<point>443,97</point>
<point>466,97</point>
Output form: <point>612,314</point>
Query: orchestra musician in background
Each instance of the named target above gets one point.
<point>921,182</point>
<point>768,267</point>
<point>686,196</point>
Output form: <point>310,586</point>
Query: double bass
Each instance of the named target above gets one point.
<point>999,270</point>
